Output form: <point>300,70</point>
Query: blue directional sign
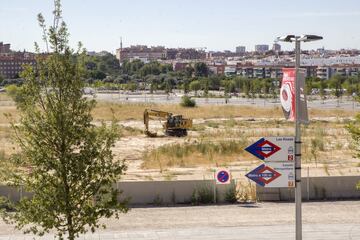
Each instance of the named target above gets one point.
<point>263,175</point>
<point>263,149</point>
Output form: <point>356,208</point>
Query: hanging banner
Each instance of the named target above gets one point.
<point>303,110</point>
<point>287,95</point>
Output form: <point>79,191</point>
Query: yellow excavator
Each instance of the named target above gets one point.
<point>174,125</point>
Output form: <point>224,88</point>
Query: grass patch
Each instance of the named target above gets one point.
<point>192,154</point>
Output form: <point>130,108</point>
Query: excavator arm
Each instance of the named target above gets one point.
<point>148,113</point>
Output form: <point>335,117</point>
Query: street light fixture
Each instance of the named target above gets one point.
<point>298,199</point>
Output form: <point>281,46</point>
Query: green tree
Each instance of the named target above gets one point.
<point>354,130</point>
<point>336,84</point>
<point>72,167</point>
<point>322,87</point>
<point>189,71</point>
<point>309,85</point>
<point>201,69</point>
<point>195,86</point>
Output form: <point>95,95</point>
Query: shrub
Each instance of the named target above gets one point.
<point>202,195</point>
<point>231,195</point>
<point>14,92</point>
<point>187,102</point>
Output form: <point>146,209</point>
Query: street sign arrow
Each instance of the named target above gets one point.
<point>263,149</point>
<point>263,175</point>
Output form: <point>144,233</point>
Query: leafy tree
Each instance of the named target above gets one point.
<point>336,83</point>
<point>189,71</point>
<point>354,130</point>
<point>165,68</point>
<point>322,87</point>
<point>186,85</point>
<point>309,85</point>
<point>65,160</point>
<point>205,84</point>
<point>195,86</point>
<point>201,69</point>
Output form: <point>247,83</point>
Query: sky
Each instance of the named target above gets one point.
<point>216,25</point>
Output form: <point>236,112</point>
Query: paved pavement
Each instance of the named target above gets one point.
<point>273,232</point>
<point>263,221</point>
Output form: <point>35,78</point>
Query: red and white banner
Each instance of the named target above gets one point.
<point>287,95</point>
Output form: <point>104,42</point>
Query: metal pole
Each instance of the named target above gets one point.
<point>297,144</point>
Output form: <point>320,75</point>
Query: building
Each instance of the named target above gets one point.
<point>230,70</point>
<point>4,48</point>
<point>12,63</point>
<point>147,54</point>
<point>261,48</point>
<point>141,52</point>
<point>240,49</point>
<point>323,72</point>
<point>276,47</point>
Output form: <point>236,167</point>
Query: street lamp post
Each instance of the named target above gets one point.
<point>298,198</point>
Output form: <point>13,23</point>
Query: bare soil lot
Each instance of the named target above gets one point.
<point>218,138</point>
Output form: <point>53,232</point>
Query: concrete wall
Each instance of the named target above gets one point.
<point>148,192</point>
<point>166,192</point>
<point>170,192</point>
<point>315,188</point>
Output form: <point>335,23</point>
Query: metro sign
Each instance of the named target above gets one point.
<point>263,149</point>
<point>263,175</point>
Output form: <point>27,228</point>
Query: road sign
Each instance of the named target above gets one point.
<point>274,174</point>
<point>273,149</point>
<point>222,176</point>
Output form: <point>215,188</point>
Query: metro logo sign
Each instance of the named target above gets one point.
<point>274,174</point>
<point>263,175</point>
<point>263,149</point>
<point>278,155</point>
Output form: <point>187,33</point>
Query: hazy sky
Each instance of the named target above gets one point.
<point>217,25</point>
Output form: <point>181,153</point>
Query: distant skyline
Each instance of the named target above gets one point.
<point>216,25</point>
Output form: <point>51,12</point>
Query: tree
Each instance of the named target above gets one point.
<point>201,69</point>
<point>65,160</point>
<point>354,130</point>
<point>322,87</point>
<point>195,86</point>
<point>336,84</point>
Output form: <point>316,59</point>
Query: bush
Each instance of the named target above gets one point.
<point>202,195</point>
<point>231,195</point>
<point>14,92</point>
<point>187,102</point>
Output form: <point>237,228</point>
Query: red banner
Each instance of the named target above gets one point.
<point>287,93</point>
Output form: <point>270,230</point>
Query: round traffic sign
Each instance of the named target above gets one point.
<point>223,176</point>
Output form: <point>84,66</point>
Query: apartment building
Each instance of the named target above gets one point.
<point>12,63</point>
<point>261,48</point>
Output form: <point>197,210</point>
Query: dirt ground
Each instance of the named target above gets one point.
<point>335,160</point>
